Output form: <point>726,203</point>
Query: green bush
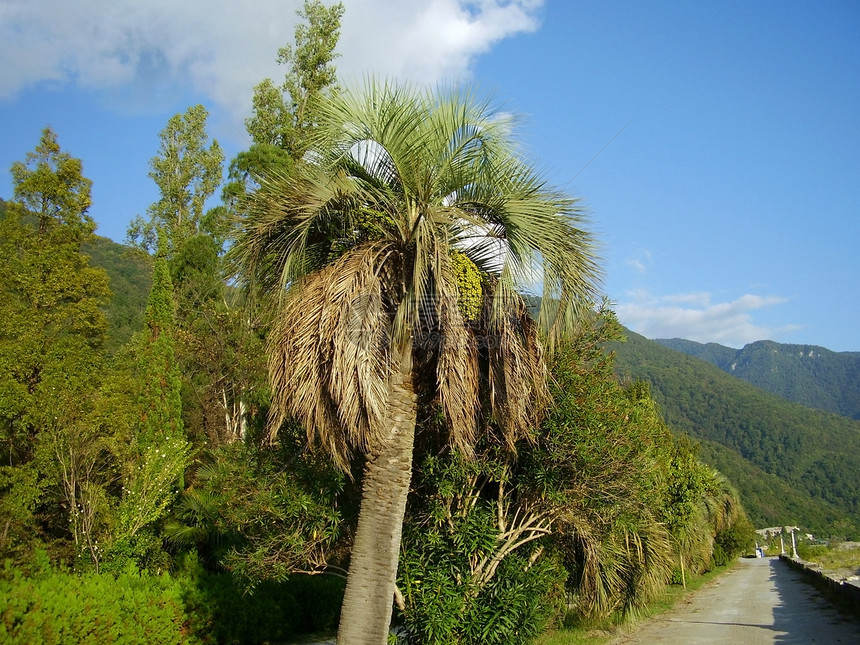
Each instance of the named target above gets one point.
<point>58,607</point>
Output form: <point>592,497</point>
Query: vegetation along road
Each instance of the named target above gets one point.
<point>759,601</point>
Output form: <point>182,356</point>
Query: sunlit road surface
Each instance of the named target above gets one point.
<point>759,601</point>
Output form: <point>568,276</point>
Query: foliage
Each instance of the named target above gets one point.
<point>471,569</point>
<point>734,541</point>
<point>219,347</point>
<point>187,171</point>
<point>527,496</point>
<point>159,397</point>
<point>840,560</point>
<point>55,606</point>
<point>600,459</point>
<point>403,284</point>
<point>282,115</point>
<point>20,492</point>
<point>469,288</point>
<point>51,332</point>
<point>769,499</point>
<point>50,185</point>
<point>138,417</point>
<point>258,519</point>
<point>58,607</point>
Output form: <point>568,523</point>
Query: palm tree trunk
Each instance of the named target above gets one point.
<point>366,612</point>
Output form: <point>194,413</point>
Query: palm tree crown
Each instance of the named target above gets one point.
<point>401,188</point>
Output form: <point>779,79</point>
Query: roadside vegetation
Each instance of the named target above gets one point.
<point>836,558</point>
<point>576,630</point>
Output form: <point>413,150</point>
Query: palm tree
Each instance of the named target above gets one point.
<point>398,247</point>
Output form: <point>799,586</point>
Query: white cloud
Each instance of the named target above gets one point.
<point>641,261</point>
<point>222,48</point>
<point>694,317</point>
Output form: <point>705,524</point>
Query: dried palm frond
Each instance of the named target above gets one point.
<point>517,372</point>
<point>329,352</point>
<point>457,370</point>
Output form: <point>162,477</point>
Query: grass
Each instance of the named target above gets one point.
<point>599,632</point>
<point>838,558</point>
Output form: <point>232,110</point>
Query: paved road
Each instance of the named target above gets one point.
<point>760,601</point>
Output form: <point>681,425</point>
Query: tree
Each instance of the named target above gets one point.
<point>361,241</point>
<point>51,333</point>
<point>144,406</point>
<point>282,117</point>
<point>187,171</point>
<point>213,336</point>
<point>50,185</point>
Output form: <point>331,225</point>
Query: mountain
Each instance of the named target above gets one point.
<point>806,374</point>
<point>790,463</point>
<point>130,274</point>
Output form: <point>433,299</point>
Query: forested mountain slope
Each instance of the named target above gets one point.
<point>130,275</point>
<point>815,453</point>
<point>806,374</point>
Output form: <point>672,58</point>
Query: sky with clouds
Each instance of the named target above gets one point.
<point>716,145</point>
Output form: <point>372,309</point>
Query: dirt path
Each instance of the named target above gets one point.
<point>759,601</point>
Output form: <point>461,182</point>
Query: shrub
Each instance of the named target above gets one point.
<point>57,607</point>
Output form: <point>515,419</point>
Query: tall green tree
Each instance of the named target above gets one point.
<point>212,333</point>
<point>218,346</point>
<point>143,406</point>
<point>51,333</point>
<point>187,171</point>
<point>361,241</point>
<point>281,115</point>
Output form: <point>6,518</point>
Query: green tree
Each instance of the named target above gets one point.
<point>50,185</point>
<point>187,171</point>
<point>282,116</point>
<point>51,334</point>
<point>145,408</point>
<point>214,342</point>
<point>359,239</point>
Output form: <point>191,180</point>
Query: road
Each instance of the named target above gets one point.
<point>759,601</point>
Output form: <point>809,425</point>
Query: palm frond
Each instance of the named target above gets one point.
<point>441,172</point>
<point>330,353</point>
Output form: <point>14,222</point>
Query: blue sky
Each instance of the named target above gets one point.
<point>716,145</point>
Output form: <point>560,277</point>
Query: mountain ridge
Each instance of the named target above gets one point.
<point>811,375</point>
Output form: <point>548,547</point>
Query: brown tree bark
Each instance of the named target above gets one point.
<point>367,605</point>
